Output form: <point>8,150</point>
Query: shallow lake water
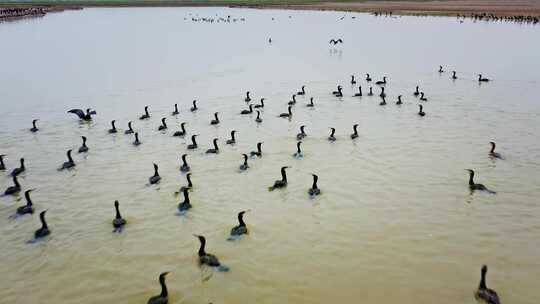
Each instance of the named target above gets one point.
<point>396,221</point>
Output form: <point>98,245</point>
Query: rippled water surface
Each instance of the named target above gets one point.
<point>396,221</point>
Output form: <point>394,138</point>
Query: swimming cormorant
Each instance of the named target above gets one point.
<point>260,105</point>
<point>16,188</point>
<point>293,101</point>
<point>370,91</point>
<point>416,92</point>
<point>258,119</point>
<point>215,121</point>
<point>381,82</point>
<point>454,77</point>
<point>154,179</point>
<point>241,228</point>
<point>422,98</point>
<point>193,144</point>
<point>481,79</point>
<point>483,293</point>
<point>146,115</point>
<point>204,257</point>
<point>21,169</point>
<point>492,152</point>
<point>287,115</point>
<point>83,116</point>
<point>440,69</point>
<point>383,102</point>
<point>257,153</point>
<point>28,208</point>
<point>245,112</point>
<point>310,104</point>
<point>34,129</point>
<point>182,131</point>
<point>247,99</point>
<point>282,183</point>
<point>332,137</point>
<point>399,102</point>
<point>421,111</point>
<point>355,134</point>
<point>339,92</point>
<point>368,78</point>
<point>113,129</point>
<point>352,80</point>
<point>163,297</point>
<point>69,163</point>
<point>130,129</point>
<point>232,141</point>
<point>302,133</point>
<point>189,184</point>
<point>473,186</point>
<point>175,112</point>
<point>194,107</point>
<point>303,92</point>
<point>214,150</point>
<point>84,147</point>
<point>314,190</point>
<point>118,222</point>
<point>383,94</point>
<point>136,142</point>
<point>298,152</point>
<point>163,125</point>
<point>245,165</point>
<point>186,204</point>
<point>44,230</point>
<point>184,167</point>
<point>359,94</point>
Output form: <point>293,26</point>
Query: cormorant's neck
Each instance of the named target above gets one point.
<point>69,157</point>
<point>492,148</point>
<point>201,249</point>
<point>28,200</point>
<point>471,177</point>
<point>193,141</point>
<point>215,145</point>
<point>298,148</point>
<point>43,222</point>
<point>332,134</point>
<point>283,175</point>
<point>241,220</point>
<point>118,216</point>
<point>483,281</point>
<point>34,124</point>
<point>22,163</point>
<point>164,291</point>
<point>16,182</point>
<point>146,111</point>
<point>156,171</point>
<point>188,177</point>
<point>314,182</point>
<point>259,148</point>
<point>232,134</point>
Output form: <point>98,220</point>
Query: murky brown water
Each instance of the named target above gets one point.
<point>396,221</point>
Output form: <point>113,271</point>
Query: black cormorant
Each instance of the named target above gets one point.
<point>483,293</point>
<point>163,297</point>
<point>154,179</point>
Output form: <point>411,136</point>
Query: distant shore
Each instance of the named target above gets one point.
<point>524,10</point>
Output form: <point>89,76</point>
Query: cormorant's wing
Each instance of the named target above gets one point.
<point>78,112</point>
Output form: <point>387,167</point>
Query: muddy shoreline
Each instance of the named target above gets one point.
<point>490,10</point>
